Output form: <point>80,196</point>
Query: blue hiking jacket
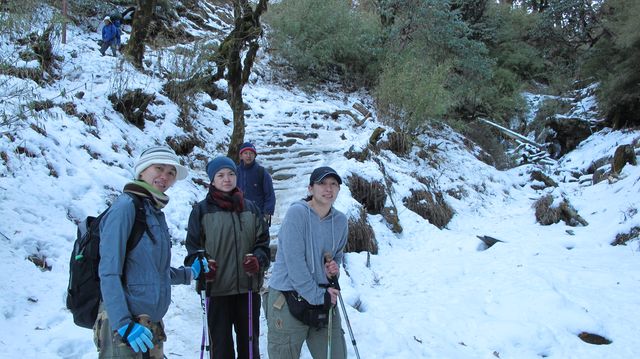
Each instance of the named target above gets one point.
<point>109,32</point>
<point>138,282</point>
<point>255,183</point>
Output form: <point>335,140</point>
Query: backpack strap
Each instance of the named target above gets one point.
<point>261,177</point>
<point>140,224</point>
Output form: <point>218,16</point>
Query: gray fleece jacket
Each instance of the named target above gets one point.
<point>303,240</point>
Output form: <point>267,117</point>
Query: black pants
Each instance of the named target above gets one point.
<point>232,312</point>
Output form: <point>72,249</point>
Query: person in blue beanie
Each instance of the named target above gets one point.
<point>135,283</point>
<point>109,35</point>
<point>235,239</point>
<point>255,182</point>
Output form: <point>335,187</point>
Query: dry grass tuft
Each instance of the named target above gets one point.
<point>623,238</point>
<point>546,214</point>
<point>372,196</point>
<point>361,236</point>
<point>430,206</point>
<point>398,143</point>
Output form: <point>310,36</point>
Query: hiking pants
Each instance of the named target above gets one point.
<point>109,44</point>
<point>287,334</point>
<point>231,312</point>
<point>111,346</point>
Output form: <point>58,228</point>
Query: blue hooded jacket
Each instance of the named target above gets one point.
<point>147,267</point>
<point>255,183</point>
<point>109,32</point>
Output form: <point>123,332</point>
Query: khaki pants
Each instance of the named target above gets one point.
<point>287,334</point>
<point>111,346</point>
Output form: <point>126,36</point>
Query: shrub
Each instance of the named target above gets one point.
<point>412,90</point>
<point>19,17</point>
<point>546,214</point>
<point>371,195</point>
<point>183,145</point>
<point>325,38</point>
<point>390,215</point>
<point>132,105</point>
<point>613,61</point>
<point>397,142</point>
<point>430,206</point>
<point>361,236</point>
<point>489,141</point>
<point>623,238</point>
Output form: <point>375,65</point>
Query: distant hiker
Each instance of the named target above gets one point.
<point>235,240</point>
<point>300,295</point>
<point>255,182</point>
<point>109,36</point>
<point>136,283</point>
<point>116,19</point>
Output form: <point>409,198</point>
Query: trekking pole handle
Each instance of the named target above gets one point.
<point>201,278</point>
<point>328,258</point>
<point>248,255</point>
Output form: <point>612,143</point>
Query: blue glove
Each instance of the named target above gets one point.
<point>139,337</point>
<point>197,266</point>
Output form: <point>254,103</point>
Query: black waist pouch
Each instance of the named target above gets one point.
<point>316,316</point>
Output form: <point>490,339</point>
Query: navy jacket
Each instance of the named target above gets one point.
<point>109,32</point>
<point>256,185</point>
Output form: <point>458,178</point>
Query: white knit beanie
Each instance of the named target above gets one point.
<point>160,155</point>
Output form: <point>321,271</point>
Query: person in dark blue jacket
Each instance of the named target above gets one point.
<point>116,19</point>
<point>109,35</point>
<point>255,182</point>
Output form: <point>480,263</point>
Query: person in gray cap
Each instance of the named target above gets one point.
<point>303,286</point>
<point>136,282</point>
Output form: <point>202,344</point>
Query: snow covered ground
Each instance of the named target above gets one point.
<point>429,293</point>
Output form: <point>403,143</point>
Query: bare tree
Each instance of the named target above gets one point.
<point>134,48</point>
<point>244,37</point>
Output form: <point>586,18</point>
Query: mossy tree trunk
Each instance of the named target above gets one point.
<point>134,48</point>
<point>244,37</point>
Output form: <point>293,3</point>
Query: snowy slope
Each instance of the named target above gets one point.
<point>428,293</point>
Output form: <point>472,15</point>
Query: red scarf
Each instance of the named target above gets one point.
<point>232,201</point>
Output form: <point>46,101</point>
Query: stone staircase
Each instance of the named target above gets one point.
<point>290,148</point>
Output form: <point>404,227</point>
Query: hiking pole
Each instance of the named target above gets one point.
<point>204,302</point>
<point>346,317</point>
<point>328,258</point>
<point>329,330</point>
<point>250,300</point>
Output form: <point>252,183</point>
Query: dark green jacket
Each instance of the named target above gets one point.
<point>226,237</point>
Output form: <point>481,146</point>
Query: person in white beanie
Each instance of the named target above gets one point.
<point>109,34</point>
<point>135,280</point>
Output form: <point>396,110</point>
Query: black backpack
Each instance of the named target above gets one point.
<point>83,293</point>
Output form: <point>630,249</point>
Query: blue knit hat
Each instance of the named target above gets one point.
<point>219,163</point>
<point>248,146</point>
